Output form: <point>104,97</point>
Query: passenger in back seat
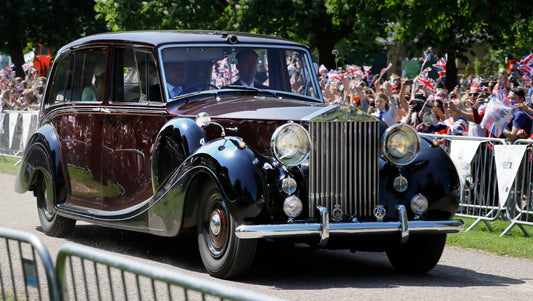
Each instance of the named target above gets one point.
<point>95,92</point>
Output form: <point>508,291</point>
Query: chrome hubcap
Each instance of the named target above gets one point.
<point>215,223</point>
<point>218,231</point>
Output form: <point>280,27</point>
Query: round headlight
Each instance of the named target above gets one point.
<point>291,144</point>
<point>401,144</point>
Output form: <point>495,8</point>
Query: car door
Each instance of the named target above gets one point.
<point>76,94</point>
<point>132,119</point>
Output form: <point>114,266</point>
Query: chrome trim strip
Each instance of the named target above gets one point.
<point>404,223</point>
<point>324,234</point>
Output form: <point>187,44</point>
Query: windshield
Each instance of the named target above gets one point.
<point>193,69</point>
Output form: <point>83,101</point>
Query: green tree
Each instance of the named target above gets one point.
<point>122,15</point>
<point>451,27</point>
<point>305,21</point>
<point>54,23</point>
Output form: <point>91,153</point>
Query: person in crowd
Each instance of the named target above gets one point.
<point>29,101</point>
<point>384,110</point>
<point>7,101</point>
<point>323,76</point>
<point>521,122</point>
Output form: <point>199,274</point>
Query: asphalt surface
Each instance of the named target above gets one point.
<point>300,274</point>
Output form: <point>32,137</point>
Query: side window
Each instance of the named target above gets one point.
<point>135,76</point>
<point>89,74</point>
<point>60,88</point>
<point>300,78</point>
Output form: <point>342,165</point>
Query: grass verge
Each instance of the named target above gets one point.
<point>7,165</point>
<point>514,244</point>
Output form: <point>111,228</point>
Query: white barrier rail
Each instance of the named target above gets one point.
<point>15,129</point>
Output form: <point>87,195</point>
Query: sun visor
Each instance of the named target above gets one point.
<point>191,54</point>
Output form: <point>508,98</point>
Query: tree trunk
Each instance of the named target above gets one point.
<point>15,51</point>
<point>451,73</point>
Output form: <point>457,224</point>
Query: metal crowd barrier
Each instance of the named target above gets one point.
<point>15,129</point>
<point>82,273</point>
<point>89,274</point>
<point>495,178</point>
<point>521,205</point>
<point>26,268</point>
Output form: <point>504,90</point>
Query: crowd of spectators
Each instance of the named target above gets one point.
<point>477,106</point>
<point>497,106</point>
<point>21,93</point>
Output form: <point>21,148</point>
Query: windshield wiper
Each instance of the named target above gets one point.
<point>243,88</point>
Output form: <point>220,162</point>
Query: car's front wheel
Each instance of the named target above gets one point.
<point>51,223</point>
<point>223,254</point>
<point>419,255</point>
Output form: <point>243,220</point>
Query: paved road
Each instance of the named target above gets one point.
<point>299,274</point>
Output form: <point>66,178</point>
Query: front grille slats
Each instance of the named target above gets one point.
<point>343,167</point>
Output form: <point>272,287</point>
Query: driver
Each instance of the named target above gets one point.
<point>175,76</point>
<point>247,66</point>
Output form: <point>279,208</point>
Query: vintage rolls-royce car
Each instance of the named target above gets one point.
<point>226,136</point>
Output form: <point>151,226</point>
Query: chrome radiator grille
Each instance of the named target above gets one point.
<point>344,167</point>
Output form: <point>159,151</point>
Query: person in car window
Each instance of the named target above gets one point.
<point>95,92</point>
<point>175,77</point>
<point>247,66</point>
<point>149,82</point>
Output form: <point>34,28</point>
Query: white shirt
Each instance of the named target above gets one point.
<point>386,115</point>
<point>174,91</point>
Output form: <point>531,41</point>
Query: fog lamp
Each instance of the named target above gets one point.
<point>400,183</point>
<point>419,204</point>
<point>288,185</point>
<point>292,206</point>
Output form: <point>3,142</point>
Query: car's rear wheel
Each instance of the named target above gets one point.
<point>419,255</point>
<point>223,254</point>
<point>51,223</point>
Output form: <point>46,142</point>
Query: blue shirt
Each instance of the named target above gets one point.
<point>522,120</point>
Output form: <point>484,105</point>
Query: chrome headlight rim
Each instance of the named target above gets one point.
<point>410,140</point>
<point>303,147</point>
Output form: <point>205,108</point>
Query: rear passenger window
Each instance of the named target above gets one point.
<point>89,75</point>
<point>136,78</point>
<point>59,86</point>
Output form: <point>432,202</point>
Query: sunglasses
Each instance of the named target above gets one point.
<point>474,94</point>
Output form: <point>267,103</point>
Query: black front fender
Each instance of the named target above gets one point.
<point>432,174</point>
<point>235,169</point>
<point>176,140</point>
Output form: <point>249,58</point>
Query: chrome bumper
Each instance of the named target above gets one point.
<point>324,229</point>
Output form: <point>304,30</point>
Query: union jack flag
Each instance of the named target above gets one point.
<point>440,67</point>
<point>10,68</point>
<point>383,70</point>
<point>426,83</point>
<point>425,72</point>
<point>26,67</point>
<point>334,75</point>
<point>368,75</point>
<point>527,60</point>
<point>498,113</point>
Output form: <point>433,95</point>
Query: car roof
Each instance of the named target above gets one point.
<point>160,37</point>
